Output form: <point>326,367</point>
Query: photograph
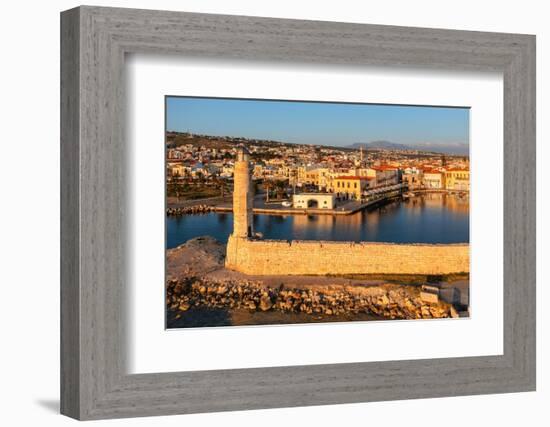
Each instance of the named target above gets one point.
<point>285,212</point>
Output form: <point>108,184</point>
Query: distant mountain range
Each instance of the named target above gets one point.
<point>456,148</point>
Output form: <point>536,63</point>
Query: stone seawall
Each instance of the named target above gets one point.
<point>278,257</point>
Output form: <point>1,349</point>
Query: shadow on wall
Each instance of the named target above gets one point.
<point>51,405</point>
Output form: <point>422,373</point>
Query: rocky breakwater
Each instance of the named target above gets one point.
<point>196,279</point>
<point>390,301</point>
<point>196,209</point>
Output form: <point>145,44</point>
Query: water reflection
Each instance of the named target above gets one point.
<point>430,218</point>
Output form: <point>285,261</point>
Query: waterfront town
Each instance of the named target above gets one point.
<point>310,177</point>
<point>221,273</point>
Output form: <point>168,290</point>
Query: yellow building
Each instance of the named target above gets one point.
<point>258,171</point>
<point>351,187</point>
<point>318,176</point>
<point>176,169</point>
<point>457,179</point>
<point>323,178</point>
<point>311,177</point>
<point>434,179</point>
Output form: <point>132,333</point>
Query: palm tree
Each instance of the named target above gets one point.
<point>268,185</point>
<point>218,183</point>
<point>280,189</point>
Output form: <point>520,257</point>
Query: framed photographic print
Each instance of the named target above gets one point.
<point>304,212</point>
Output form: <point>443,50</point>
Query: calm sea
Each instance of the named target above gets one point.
<point>430,218</point>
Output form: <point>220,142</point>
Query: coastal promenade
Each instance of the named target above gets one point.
<point>260,207</point>
<point>347,207</point>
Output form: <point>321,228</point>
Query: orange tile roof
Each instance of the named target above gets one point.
<point>457,170</point>
<point>355,177</point>
<point>385,168</point>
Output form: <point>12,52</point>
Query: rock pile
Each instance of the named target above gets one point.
<point>196,209</point>
<point>390,301</point>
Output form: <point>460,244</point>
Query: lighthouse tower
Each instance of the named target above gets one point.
<point>242,196</point>
<point>242,213</point>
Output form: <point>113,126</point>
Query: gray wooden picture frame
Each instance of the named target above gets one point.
<point>94,381</point>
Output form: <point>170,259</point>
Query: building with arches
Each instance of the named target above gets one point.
<point>314,201</point>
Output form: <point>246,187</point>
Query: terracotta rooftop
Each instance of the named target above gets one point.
<point>355,177</point>
<point>457,170</point>
<point>385,168</point>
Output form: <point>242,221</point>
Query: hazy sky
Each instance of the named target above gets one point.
<point>317,123</point>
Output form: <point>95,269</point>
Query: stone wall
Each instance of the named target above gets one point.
<point>279,257</point>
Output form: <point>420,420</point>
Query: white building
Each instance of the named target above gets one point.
<point>314,201</point>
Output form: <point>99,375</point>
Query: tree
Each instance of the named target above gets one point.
<point>280,188</point>
<point>268,185</point>
<point>218,183</point>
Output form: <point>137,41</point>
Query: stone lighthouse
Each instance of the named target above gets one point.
<point>242,209</point>
<point>242,196</point>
